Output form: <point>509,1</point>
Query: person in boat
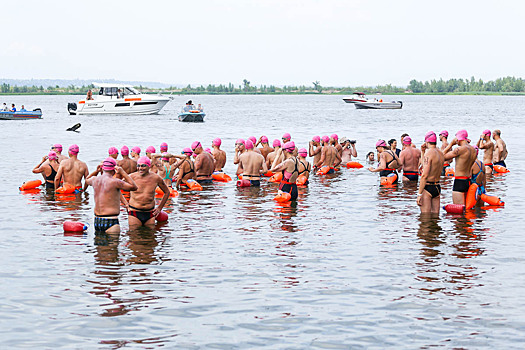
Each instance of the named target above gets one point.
<point>239,149</point>
<point>219,156</point>
<point>393,145</point>
<point>89,95</point>
<point>113,152</point>
<point>23,109</point>
<point>48,167</point>
<point>271,156</point>
<point>72,170</point>
<point>349,150</point>
<point>443,137</point>
<point>200,109</point>
<point>204,164</point>
<point>388,160</point>
<point>409,160</point>
<point>188,107</point>
<point>186,168</point>
<point>141,207</point>
<point>251,165</point>
<point>265,149</point>
<point>135,153</point>
<point>314,150</point>
<point>304,165</point>
<point>486,144</point>
<point>107,189</point>
<point>290,170</point>
<point>429,192</point>
<point>119,93</point>
<point>370,157</point>
<point>5,108</point>
<point>465,156</point>
<point>13,108</point>
<point>500,150</point>
<point>329,155</point>
<point>128,164</point>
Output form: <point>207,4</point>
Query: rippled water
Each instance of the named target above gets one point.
<point>352,265</point>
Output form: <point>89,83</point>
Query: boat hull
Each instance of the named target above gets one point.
<point>353,100</point>
<point>192,117</point>
<point>379,105</point>
<point>128,106</point>
<point>21,115</point>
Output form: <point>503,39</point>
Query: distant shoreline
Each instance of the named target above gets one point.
<point>178,93</point>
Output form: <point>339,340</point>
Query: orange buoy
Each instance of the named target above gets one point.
<point>282,197</point>
<point>162,217</point>
<point>29,185</point>
<point>454,208</point>
<point>471,196</point>
<point>193,185</point>
<point>65,189</point>
<point>500,169</point>
<point>276,177</point>
<point>492,200</point>
<point>268,174</point>
<point>220,176</point>
<point>449,171</point>
<point>355,165</point>
<point>243,183</point>
<point>160,193</point>
<point>301,180</point>
<point>389,180</point>
<point>324,170</point>
<point>74,226</point>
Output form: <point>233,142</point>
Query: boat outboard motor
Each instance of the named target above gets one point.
<point>71,106</point>
<point>37,110</point>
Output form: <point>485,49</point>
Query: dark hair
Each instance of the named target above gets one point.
<point>369,153</point>
<point>391,141</point>
<point>432,143</point>
<point>402,136</point>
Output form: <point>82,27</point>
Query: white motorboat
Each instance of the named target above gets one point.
<point>357,97</point>
<point>118,99</point>
<point>379,105</point>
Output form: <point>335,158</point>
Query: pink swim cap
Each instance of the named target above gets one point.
<point>165,157</point>
<point>207,150</point>
<point>302,152</point>
<point>113,150</point>
<point>144,160</point>
<point>430,137</point>
<point>239,141</point>
<point>163,147</point>
<point>289,146</point>
<point>462,135</point>
<point>287,136</point>
<point>136,149</point>
<point>217,142</point>
<point>276,143</point>
<point>486,132</point>
<point>73,149</point>
<point>381,143</point>
<point>150,149</point>
<point>52,156</point>
<point>195,145</point>
<point>248,144</point>
<point>407,140</point>
<point>124,150</point>
<point>264,139</point>
<point>334,136</point>
<point>109,164</point>
<point>187,151</point>
<point>58,147</point>
<point>316,139</point>
<point>325,139</point>
<point>444,133</point>
<point>252,139</point>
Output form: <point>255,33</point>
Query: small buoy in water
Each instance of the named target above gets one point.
<point>193,185</point>
<point>492,200</point>
<point>268,174</point>
<point>243,183</point>
<point>454,208</point>
<point>301,180</point>
<point>449,171</point>
<point>355,165</point>
<point>471,196</point>
<point>29,185</point>
<point>501,169</point>
<point>276,177</point>
<point>65,189</point>
<point>74,226</point>
<point>162,217</point>
<point>389,180</point>
<point>220,176</point>
<point>282,197</point>
<point>74,127</point>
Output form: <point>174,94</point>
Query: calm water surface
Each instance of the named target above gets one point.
<point>352,265</point>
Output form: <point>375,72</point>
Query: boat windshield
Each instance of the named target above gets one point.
<point>113,91</point>
<point>131,91</point>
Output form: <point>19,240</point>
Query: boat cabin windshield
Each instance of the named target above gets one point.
<point>113,91</point>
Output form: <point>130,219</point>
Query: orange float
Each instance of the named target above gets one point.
<point>355,165</point>
<point>268,174</point>
<point>220,176</point>
<point>276,177</point>
<point>30,185</point>
<point>65,189</point>
<point>500,169</point>
<point>454,208</point>
<point>74,226</point>
<point>243,183</point>
<point>301,180</point>
<point>492,200</point>
<point>389,180</point>
<point>160,193</point>
<point>193,185</point>
<point>471,196</point>
<point>324,170</point>
<point>282,197</point>
<point>449,171</point>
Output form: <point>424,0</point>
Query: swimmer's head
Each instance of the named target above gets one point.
<point>496,133</point>
<point>112,150</point>
<point>381,143</point>
<point>124,151</point>
<point>239,142</point>
<point>135,149</point>
<point>289,146</point>
<point>264,139</point>
<point>325,139</point>
<point>52,155</point>
<point>430,137</point>
<point>73,149</point>
<point>486,132</point>
<point>276,143</point>
<point>164,147</point>
<point>462,135</point>
<point>165,157</point>
<point>150,149</point>
<point>187,151</point>
<point>444,133</point>
<point>195,145</point>
<point>216,142</point>
<point>248,144</point>
<point>143,160</point>
<point>57,147</point>
<point>207,150</point>
<point>407,140</point>
<point>334,136</point>
<point>109,164</point>
<point>286,137</point>
<point>316,139</point>
<point>252,139</point>
<point>302,152</point>
<point>343,140</point>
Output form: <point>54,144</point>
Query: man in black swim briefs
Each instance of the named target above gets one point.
<point>429,193</point>
<point>251,165</point>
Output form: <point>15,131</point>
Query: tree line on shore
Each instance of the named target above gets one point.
<point>451,86</point>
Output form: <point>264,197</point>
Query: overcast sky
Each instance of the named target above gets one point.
<point>293,42</point>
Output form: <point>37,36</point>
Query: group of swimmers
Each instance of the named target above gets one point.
<point>142,176</point>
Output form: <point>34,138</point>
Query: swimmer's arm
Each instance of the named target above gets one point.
<point>277,157</point>
<point>165,197</point>
<point>321,160</point>
<point>380,166</point>
<point>124,201</point>
<point>86,174</point>
<point>127,184</point>
<point>400,161</point>
<point>89,178</point>
<point>38,169</point>
<point>423,180</point>
<point>236,157</point>
<point>279,167</point>
<point>450,145</point>
<point>452,154</point>
<point>354,151</point>
<point>240,169</point>
<point>264,167</point>
<point>58,176</point>
<point>337,159</point>
<point>258,142</point>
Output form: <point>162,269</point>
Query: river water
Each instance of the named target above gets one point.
<point>352,265</point>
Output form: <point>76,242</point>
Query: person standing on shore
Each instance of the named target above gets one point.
<point>429,193</point>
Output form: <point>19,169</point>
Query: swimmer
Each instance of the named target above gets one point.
<point>329,155</point>
<point>135,153</point>
<point>254,141</point>
<point>409,160</point>
<point>349,150</point>
<point>465,155</point>
<point>370,157</point>
<point>304,165</point>
<point>314,149</point>
<point>113,152</point>
<point>155,163</point>
<point>287,138</point>
<point>443,135</point>
<point>186,168</point>
<point>251,164</point>
<point>393,145</point>
<point>107,194</point>
<point>58,150</point>
<point>141,207</point>
<point>429,194</point>
<point>48,168</point>
<point>72,170</point>
<point>271,156</point>
<point>388,160</point>
<point>163,147</point>
<point>334,143</point>
<point>290,170</point>
<point>500,150</point>
<point>128,164</point>
<point>167,168</point>
<point>485,144</point>
<point>265,149</point>
<point>204,164</point>
<point>239,149</point>
<point>478,174</point>
<point>219,156</point>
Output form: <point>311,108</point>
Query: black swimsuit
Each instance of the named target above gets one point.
<point>433,188</point>
<point>306,168</point>
<point>192,169</point>
<point>50,180</point>
<point>290,187</point>
<point>142,215</point>
<point>388,171</point>
<point>102,222</point>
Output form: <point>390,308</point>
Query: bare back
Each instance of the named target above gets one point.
<point>219,157</point>
<point>409,158</point>
<point>107,194</point>
<point>250,165</point>
<point>72,170</point>
<point>128,165</point>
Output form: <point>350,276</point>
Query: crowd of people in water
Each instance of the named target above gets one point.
<point>135,179</point>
